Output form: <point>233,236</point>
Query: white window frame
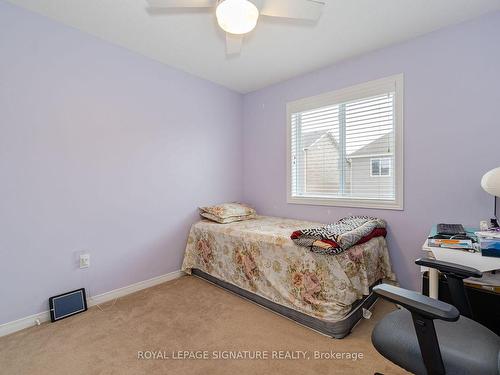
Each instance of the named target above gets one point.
<point>380,158</point>
<point>388,84</point>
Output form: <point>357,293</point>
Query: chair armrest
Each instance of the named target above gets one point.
<point>418,303</point>
<point>449,268</point>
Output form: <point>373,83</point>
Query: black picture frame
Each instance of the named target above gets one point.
<point>53,317</point>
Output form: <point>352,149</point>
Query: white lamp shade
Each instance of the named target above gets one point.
<point>237,16</point>
<point>491,182</point>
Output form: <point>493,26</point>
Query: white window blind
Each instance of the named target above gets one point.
<point>345,147</point>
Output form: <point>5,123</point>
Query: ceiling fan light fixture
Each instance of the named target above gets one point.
<point>237,16</point>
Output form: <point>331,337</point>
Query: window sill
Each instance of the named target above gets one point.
<point>346,202</point>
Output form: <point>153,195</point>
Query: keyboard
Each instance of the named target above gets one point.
<point>450,229</point>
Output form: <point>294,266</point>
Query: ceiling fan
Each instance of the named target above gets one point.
<point>239,17</point>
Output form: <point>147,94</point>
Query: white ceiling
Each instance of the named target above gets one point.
<point>276,50</point>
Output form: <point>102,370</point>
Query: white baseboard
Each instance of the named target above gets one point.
<point>28,321</point>
<point>33,320</point>
<point>120,292</point>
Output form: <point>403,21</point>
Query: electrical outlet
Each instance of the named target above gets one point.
<point>84,260</point>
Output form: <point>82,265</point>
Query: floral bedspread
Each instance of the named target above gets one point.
<point>258,255</point>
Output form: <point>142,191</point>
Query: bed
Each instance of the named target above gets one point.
<point>257,260</point>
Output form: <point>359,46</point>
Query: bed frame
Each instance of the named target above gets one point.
<point>338,330</point>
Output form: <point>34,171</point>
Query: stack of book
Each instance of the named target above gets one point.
<point>463,243</point>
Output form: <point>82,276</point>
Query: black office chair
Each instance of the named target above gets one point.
<point>455,276</point>
<point>432,337</point>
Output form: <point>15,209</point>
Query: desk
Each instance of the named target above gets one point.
<point>464,258</point>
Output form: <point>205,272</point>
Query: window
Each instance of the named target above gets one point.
<point>380,167</point>
<point>345,147</point>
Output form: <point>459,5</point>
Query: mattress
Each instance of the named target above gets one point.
<point>258,257</point>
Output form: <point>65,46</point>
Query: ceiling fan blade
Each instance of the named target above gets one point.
<point>181,3</point>
<point>301,9</point>
<point>233,44</point>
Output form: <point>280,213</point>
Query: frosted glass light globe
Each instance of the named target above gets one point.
<point>237,16</point>
<point>491,182</point>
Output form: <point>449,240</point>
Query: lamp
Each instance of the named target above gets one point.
<point>237,16</point>
<point>491,184</point>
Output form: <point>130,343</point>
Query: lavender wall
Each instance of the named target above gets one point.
<point>452,128</point>
<point>101,150</point>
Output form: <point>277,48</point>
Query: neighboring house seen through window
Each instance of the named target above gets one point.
<point>345,147</point>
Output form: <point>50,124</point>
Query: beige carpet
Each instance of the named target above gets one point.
<point>187,314</point>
